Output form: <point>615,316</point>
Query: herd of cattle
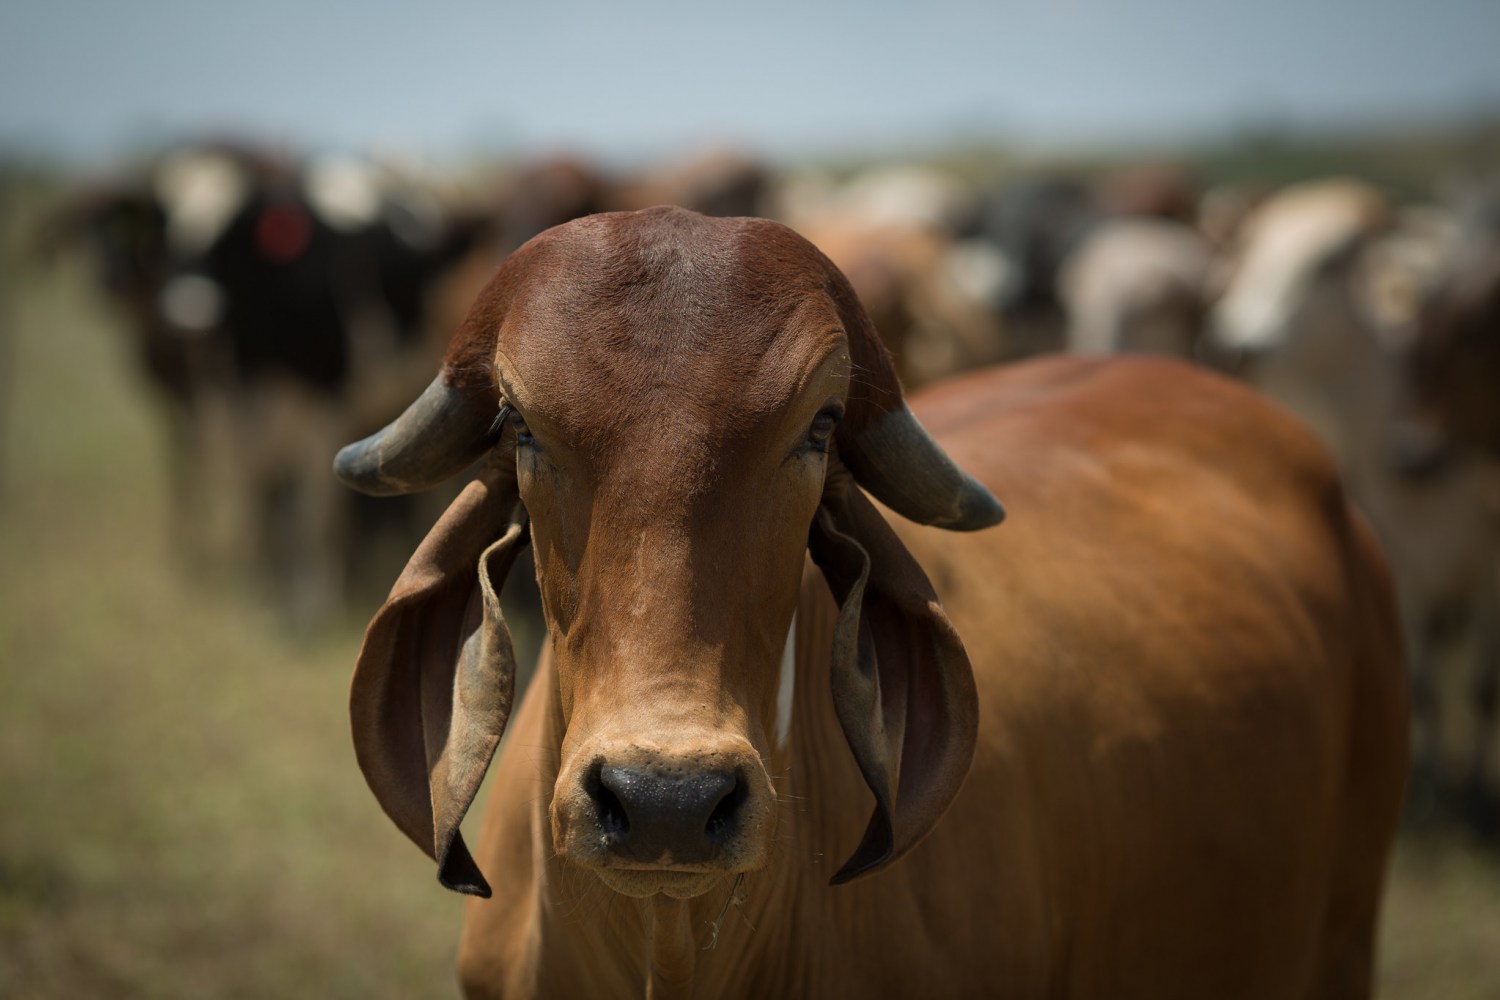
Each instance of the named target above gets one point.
<point>282,305</point>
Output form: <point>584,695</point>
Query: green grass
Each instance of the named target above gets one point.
<point>182,813</point>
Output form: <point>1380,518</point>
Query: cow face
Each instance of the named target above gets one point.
<point>672,437</point>
<point>682,401</point>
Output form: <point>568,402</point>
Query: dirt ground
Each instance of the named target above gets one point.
<point>183,814</point>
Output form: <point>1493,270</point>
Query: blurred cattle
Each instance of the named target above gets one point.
<point>1034,229</point>
<point>531,197</point>
<point>1456,360</point>
<point>1318,308</point>
<point>891,230</point>
<point>957,279</point>
<point>544,193</point>
<point>277,304</point>
<point>1028,226</point>
<point>717,181</point>
<point>1152,190</point>
<point>1222,211</point>
<point>1136,284</point>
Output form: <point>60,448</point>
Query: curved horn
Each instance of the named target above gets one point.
<point>438,436</point>
<point>899,463</point>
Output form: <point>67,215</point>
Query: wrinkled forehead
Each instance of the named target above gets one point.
<point>631,317</point>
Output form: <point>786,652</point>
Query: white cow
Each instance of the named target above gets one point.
<point>1136,284</point>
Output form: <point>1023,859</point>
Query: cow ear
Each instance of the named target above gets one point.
<point>435,678</point>
<point>902,685</point>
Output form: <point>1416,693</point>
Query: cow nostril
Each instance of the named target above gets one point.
<point>607,805</point>
<point>667,811</point>
<point>725,816</point>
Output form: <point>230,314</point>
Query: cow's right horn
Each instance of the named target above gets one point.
<point>440,434</point>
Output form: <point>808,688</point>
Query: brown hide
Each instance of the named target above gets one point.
<point>1190,757</point>
<point>1173,769</point>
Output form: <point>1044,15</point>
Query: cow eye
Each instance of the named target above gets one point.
<point>523,433</point>
<point>822,429</point>
<point>509,416</point>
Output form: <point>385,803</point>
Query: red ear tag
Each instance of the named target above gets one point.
<point>282,233</point>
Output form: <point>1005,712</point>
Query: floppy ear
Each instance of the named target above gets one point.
<point>902,686</point>
<point>433,685</point>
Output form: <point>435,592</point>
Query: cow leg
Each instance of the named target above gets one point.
<point>1424,796</point>
<point>1479,801</point>
<point>318,524</point>
<point>1348,972</point>
<point>187,528</point>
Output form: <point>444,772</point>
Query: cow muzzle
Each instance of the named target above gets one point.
<point>648,819</point>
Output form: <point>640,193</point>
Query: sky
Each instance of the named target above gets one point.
<point>636,78</point>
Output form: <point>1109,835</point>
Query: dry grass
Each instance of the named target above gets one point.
<point>1440,936</point>
<point>183,814</point>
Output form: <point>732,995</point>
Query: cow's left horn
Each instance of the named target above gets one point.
<point>899,463</point>
<point>439,435</point>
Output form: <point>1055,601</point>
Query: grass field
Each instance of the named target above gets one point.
<point>182,813</point>
<point>183,816</point>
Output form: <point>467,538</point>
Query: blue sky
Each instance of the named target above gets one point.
<point>631,78</point>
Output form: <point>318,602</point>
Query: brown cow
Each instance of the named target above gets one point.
<point>1183,729</point>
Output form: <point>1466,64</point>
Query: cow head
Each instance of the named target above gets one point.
<point>684,407</point>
